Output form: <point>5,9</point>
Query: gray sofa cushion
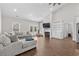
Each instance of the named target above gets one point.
<point>28,38</point>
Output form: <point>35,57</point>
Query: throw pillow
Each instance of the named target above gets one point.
<point>13,38</point>
<point>7,34</point>
<point>4,40</point>
<point>1,46</point>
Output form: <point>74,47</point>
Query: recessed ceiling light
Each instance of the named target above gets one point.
<point>14,10</point>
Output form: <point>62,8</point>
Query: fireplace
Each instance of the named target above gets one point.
<point>47,34</point>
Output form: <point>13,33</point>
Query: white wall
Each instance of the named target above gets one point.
<point>24,24</point>
<point>0,22</point>
<point>67,14</point>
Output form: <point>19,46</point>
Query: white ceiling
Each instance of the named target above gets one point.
<point>31,11</point>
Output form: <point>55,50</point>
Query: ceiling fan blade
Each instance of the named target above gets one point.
<point>54,4</point>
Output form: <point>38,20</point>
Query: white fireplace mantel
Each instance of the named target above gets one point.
<point>47,30</point>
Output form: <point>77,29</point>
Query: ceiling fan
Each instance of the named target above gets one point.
<point>54,4</point>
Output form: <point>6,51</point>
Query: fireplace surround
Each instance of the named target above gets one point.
<point>47,34</point>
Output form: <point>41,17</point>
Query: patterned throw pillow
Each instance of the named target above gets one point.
<point>4,40</point>
<point>13,38</point>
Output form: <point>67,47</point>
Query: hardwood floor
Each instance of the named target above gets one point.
<point>53,47</point>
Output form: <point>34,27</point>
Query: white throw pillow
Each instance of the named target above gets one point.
<point>4,40</point>
<point>23,40</point>
<point>14,38</point>
<point>1,46</point>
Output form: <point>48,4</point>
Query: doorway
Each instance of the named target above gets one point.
<point>77,31</point>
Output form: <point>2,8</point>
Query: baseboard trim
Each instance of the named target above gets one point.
<point>55,38</point>
<point>59,38</point>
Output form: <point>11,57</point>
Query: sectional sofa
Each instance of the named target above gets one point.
<point>8,48</point>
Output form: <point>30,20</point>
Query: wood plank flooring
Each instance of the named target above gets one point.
<point>53,47</point>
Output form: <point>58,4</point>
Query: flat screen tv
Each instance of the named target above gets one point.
<point>46,25</point>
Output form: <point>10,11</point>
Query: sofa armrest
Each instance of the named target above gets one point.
<point>11,49</point>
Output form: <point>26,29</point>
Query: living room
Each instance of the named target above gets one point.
<point>39,29</point>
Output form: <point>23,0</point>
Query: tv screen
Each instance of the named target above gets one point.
<point>46,25</point>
